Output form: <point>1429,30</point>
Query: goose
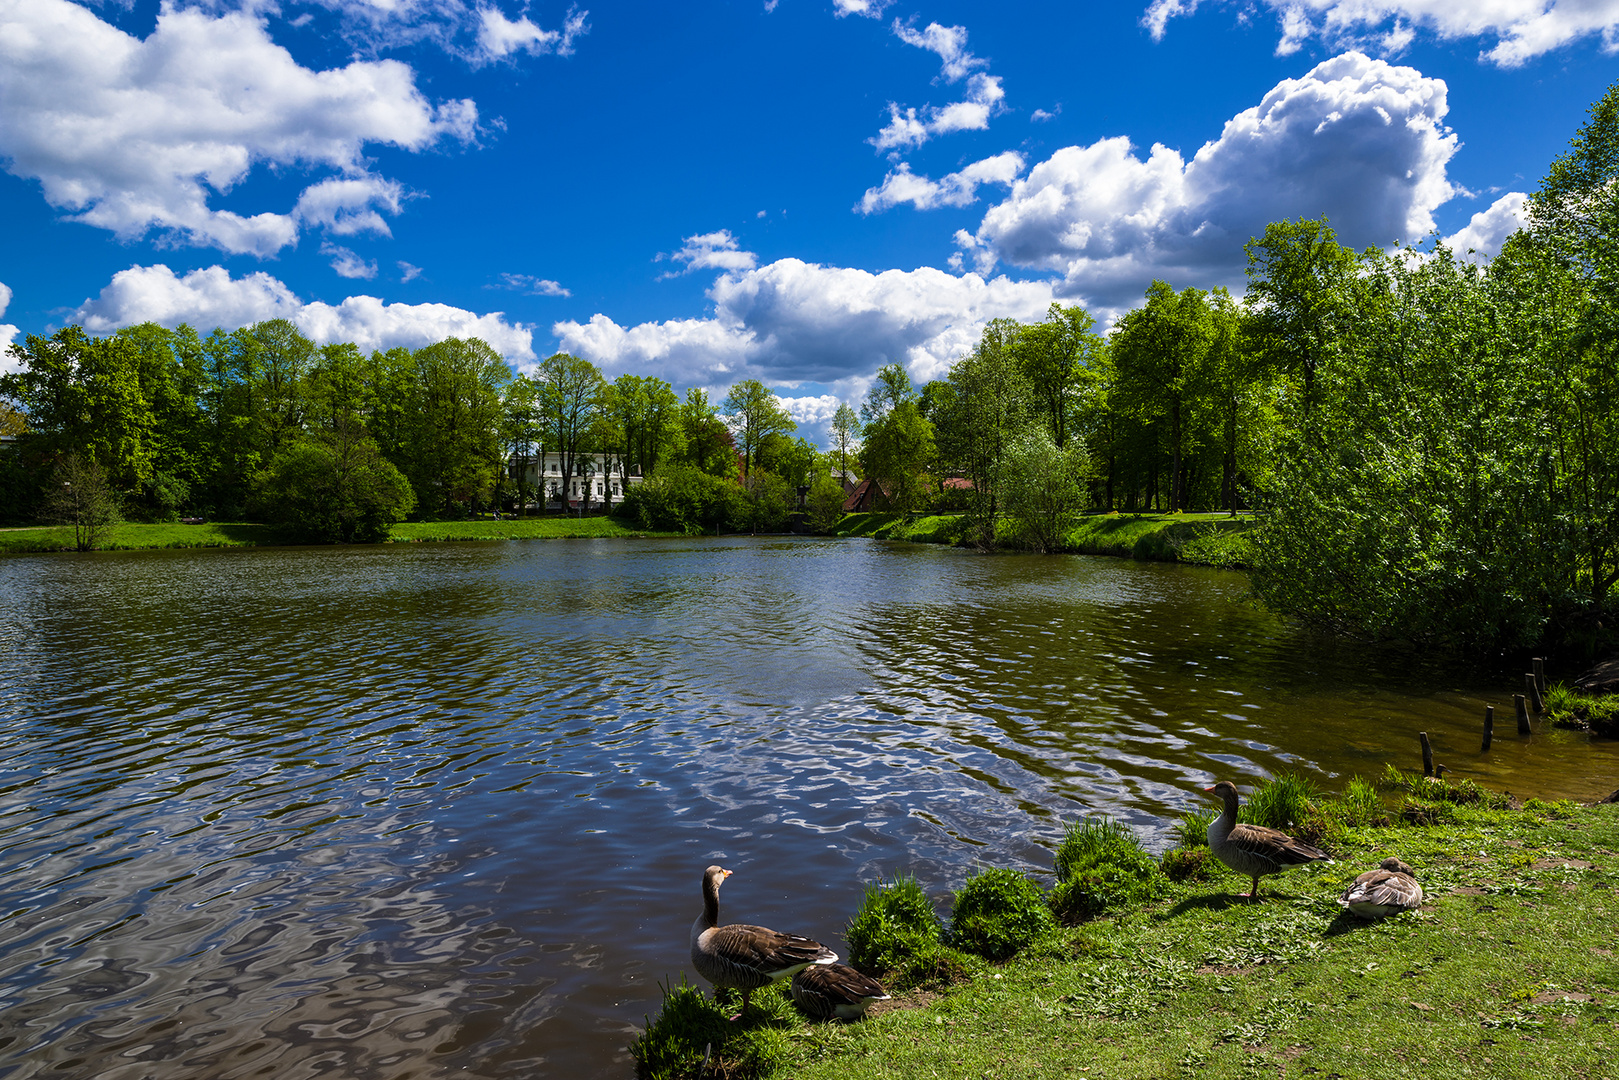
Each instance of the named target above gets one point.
<point>1388,890</point>
<point>1254,849</point>
<point>743,956</point>
<point>825,991</point>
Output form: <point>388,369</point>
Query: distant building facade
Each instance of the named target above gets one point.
<point>595,483</point>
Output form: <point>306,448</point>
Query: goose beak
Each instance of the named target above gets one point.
<point>1209,790</point>
<point>727,873</point>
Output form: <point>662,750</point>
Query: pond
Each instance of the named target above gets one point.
<point>422,810</point>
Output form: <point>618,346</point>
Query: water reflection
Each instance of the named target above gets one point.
<point>430,809</point>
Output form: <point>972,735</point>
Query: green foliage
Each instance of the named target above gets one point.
<point>1044,488</point>
<point>333,488</point>
<point>755,414</point>
<point>1185,864</point>
<point>824,503</point>
<point>80,496</point>
<point>1192,830</point>
<point>998,913</point>
<point>1359,805</point>
<point>1570,708</point>
<point>1101,864</point>
<point>1281,802</point>
<point>693,1031</point>
<point>682,498</point>
<point>897,930</point>
<point>765,503</point>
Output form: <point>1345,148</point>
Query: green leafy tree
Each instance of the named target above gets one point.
<point>523,435</point>
<point>825,503</point>
<point>333,486</point>
<point>845,436</point>
<point>1301,297</point>
<point>706,442</point>
<point>80,496</point>
<point>1044,487</point>
<point>571,400</point>
<point>456,450</point>
<point>754,413</point>
<point>1056,356</point>
<point>986,406</point>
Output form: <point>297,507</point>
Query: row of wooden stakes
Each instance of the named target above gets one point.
<point>1533,699</point>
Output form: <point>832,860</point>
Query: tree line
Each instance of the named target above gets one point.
<point>1431,445</point>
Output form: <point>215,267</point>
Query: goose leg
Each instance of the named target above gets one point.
<point>1253,894</point>
<point>744,1008</point>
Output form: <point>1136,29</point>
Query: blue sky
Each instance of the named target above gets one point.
<point>798,191</point>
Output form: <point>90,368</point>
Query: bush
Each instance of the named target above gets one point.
<point>825,503</point>
<point>895,922</point>
<point>675,1044</point>
<point>1190,864</point>
<point>999,912</point>
<point>1101,864</point>
<point>333,488</point>
<point>683,499</point>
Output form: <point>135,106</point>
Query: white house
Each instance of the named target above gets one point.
<point>594,483</point>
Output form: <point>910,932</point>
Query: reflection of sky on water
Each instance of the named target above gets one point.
<point>432,809</point>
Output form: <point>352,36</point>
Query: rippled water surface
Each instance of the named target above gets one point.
<point>414,811</point>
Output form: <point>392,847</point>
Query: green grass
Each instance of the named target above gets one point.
<point>132,537</point>
<point>1100,865</point>
<point>1201,539</point>
<point>1510,970</point>
<point>1568,707</point>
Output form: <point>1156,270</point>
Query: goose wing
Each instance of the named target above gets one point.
<point>1382,892</point>
<point>827,990</point>
<point>769,954</point>
<point>1273,845</point>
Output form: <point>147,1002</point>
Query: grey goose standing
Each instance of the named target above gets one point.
<point>1254,850</point>
<point>825,991</point>
<point>743,956</point>
<point>1388,890</point>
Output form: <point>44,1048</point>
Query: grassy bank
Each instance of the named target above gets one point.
<point>132,537</point>
<point>1508,970</point>
<point>1203,539</point>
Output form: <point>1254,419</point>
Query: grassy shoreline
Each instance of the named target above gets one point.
<point>1212,539</point>
<point>140,537</point>
<point>1508,970</point>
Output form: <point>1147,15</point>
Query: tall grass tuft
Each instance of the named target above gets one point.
<point>1101,864</point>
<point>1192,830</point>
<point>1282,802</point>
<point>998,913</point>
<point>896,922</point>
<point>692,1027</point>
<point>1360,805</point>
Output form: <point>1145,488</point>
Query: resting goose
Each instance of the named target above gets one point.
<point>746,957</point>
<point>1254,849</point>
<point>825,991</point>
<point>1388,890</point>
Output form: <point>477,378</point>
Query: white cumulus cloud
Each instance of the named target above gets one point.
<point>711,251</point>
<point>791,322</point>
<point>954,189</point>
<point>871,9</point>
<point>134,135</point>
<point>1521,29</point>
<point>1482,237</point>
<point>949,43</point>
<point>8,332</point>
<point>907,128</point>
<point>1358,140</point>
<point>210,297</point>
<point>347,264</point>
<point>500,37</point>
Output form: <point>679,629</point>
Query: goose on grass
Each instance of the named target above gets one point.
<point>1254,850</point>
<point>743,956</point>
<point>835,991</point>
<point>1388,890</point>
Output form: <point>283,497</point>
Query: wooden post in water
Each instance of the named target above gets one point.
<point>1489,725</point>
<point>1539,665</point>
<point>1427,754</point>
<point>1523,714</point>
<point>1532,692</point>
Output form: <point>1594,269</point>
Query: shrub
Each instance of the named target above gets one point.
<point>1101,864</point>
<point>825,503</point>
<point>895,922</point>
<point>333,487</point>
<point>1190,864</point>
<point>683,499</point>
<point>677,1042</point>
<point>999,912</point>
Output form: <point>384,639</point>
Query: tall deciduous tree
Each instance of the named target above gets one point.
<point>987,407</point>
<point>570,398</point>
<point>845,436</point>
<point>754,413</point>
<point>1301,297</point>
<point>706,442</point>
<point>456,446</point>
